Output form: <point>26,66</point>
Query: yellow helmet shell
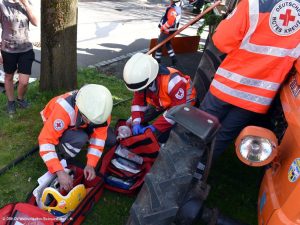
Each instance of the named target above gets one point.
<point>66,203</point>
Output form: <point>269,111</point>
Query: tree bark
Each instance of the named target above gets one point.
<point>59,45</point>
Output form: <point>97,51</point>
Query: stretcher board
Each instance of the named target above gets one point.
<point>180,45</point>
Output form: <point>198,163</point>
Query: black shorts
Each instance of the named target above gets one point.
<point>21,61</point>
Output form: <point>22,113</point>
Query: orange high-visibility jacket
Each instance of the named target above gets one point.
<point>59,115</point>
<point>297,65</point>
<point>261,39</point>
<point>171,88</point>
<point>171,19</point>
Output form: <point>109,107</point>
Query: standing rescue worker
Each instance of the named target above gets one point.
<point>156,90</point>
<point>70,121</point>
<point>168,25</point>
<point>261,39</point>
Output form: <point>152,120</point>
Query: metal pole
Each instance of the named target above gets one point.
<point>184,27</point>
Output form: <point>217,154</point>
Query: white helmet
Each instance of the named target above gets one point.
<point>139,71</point>
<point>95,102</point>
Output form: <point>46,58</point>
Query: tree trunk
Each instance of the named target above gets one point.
<point>59,45</point>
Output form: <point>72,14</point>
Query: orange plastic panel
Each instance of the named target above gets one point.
<point>180,44</point>
<point>297,66</point>
<point>280,189</point>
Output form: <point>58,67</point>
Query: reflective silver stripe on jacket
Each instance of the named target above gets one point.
<point>98,142</point>
<point>69,109</point>
<point>260,49</point>
<point>42,115</point>
<point>47,148</point>
<point>167,25</point>
<point>95,152</point>
<point>49,156</point>
<point>241,94</point>
<point>137,120</point>
<point>271,86</point>
<point>175,80</point>
<point>138,108</point>
<point>167,119</point>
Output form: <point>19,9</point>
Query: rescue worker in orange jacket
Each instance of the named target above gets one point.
<point>157,86</point>
<point>70,121</point>
<point>168,25</point>
<point>261,40</point>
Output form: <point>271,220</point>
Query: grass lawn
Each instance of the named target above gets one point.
<point>234,186</point>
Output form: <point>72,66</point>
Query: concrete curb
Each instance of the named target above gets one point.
<point>117,59</point>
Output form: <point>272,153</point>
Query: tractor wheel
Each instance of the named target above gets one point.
<point>210,60</point>
<point>168,180</point>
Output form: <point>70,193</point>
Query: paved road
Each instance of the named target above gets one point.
<point>108,29</point>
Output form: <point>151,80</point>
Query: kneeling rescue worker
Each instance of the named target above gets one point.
<point>156,89</point>
<point>70,121</point>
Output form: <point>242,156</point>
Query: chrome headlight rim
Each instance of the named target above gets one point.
<point>262,149</point>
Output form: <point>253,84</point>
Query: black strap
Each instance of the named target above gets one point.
<point>149,155</point>
<point>146,141</point>
<point>137,85</point>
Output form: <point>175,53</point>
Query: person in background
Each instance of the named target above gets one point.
<point>156,90</point>
<point>261,40</point>
<point>70,121</point>
<point>197,5</point>
<point>168,25</point>
<point>16,49</point>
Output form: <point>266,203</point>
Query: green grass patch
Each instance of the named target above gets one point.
<point>234,186</point>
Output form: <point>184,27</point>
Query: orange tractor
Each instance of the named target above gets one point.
<point>279,151</point>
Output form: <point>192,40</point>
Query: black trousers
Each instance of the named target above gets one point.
<point>158,53</point>
<point>232,118</point>
<point>72,141</point>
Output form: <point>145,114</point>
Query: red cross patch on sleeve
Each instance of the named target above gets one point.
<point>180,94</point>
<point>58,124</point>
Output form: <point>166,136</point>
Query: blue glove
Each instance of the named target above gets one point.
<point>149,127</point>
<point>137,129</point>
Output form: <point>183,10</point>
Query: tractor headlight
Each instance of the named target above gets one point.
<point>255,149</point>
<point>256,146</point>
